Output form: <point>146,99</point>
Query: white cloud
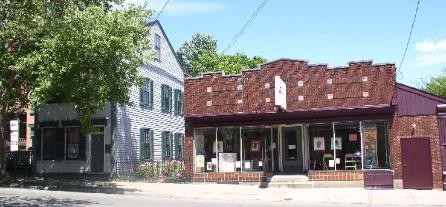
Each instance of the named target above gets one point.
<point>431,46</point>
<point>179,8</point>
<point>430,53</point>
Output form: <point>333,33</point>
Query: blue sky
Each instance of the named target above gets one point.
<point>333,32</point>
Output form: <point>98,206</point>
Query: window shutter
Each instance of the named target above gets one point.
<point>37,143</point>
<point>171,144</point>
<point>151,145</point>
<point>175,102</point>
<point>151,94</point>
<point>141,144</point>
<point>60,143</point>
<point>182,103</point>
<point>170,99</point>
<point>163,145</point>
<point>163,95</point>
<point>141,96</point>
<point>82,146</point>
<point>177,144</point>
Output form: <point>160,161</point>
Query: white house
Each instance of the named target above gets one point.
<point>152,129</point>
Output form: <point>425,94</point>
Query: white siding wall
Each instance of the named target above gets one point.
<point>131,118</point>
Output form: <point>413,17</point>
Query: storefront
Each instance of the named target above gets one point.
<point>288,117</point>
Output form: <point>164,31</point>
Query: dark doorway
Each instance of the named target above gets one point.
<point>292,149</point>
<point>274,145</point>
<point>97,150</point>
<point>416,163</point>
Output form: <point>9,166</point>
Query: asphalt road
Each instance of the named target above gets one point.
<point>30,197</point>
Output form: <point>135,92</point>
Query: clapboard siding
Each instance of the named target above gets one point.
<point>130,119</point>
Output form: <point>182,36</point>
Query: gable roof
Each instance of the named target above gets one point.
<point>420,93</point>
<point>168,42</point>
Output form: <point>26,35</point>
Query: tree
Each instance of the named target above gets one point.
<point>437,85</point>
<point>78,51</point>
<point>200,55</point>
<point>190,51</point>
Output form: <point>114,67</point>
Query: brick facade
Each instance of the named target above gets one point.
<point>231,177</point>
<point>426,126</point>
<point>341,175</point>
<point>359,84</point>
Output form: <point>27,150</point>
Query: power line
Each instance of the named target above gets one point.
<point>408,39</point>
<point>256,12</point>
<point>161,11</point>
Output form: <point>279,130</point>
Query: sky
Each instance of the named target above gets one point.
<point>333,32</point>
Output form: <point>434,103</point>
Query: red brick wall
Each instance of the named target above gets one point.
<point>238,177</point>
<point>189,151</point>
<point>426,126</point>
<point>347,88</point>
<point>339,175</point>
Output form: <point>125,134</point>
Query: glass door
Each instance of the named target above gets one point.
<point>292,156</point>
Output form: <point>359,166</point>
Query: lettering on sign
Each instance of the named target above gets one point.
<point>279,92</point>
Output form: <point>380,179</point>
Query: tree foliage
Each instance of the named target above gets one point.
<point>74,51</point>
<point>437,85</point>
<point>200,55</point>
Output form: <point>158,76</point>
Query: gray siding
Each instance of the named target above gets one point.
<point>130,119</point>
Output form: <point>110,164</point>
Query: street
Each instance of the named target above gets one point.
<point>31,197</point>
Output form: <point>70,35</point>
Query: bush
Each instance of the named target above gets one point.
<point>162,171</point>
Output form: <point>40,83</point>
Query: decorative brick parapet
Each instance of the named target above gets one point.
<point>231,177</point>
<point>339,175</point>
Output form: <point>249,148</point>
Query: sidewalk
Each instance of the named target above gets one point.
<point>313,195</point>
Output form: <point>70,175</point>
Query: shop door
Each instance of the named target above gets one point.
<point>292,156</point>
<point>417,163</point>
<point>97,152</point>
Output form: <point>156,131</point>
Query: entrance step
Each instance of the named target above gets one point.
<point>289,181</point>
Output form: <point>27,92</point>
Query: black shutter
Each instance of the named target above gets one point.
<point>175,101</point>
<point>163,97</point>
<point>177,142</point>
<point>37,143</point>
<point>141,144</point>
<point>141,96</point>
<point>151,145</point>
<point>82,145</point>
<point>151,94</point>
<point>60,144</point>
<point>170,99</point>
<point>163,145</point>
<point>182,103</point>
<point>171,144</point>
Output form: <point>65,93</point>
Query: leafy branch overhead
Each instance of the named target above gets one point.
<point>200,55</point>
<point>81,52</point>
<point>437,85</point>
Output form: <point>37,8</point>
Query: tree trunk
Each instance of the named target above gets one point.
<point>2,145</point>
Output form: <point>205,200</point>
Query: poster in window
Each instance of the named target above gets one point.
<point>338,143</point>
<point>219,146</point>
<point>319,144</point>
<point>73,151</point>
<point>370,135</point>
<point>255,145</point>
<point>353,137</point>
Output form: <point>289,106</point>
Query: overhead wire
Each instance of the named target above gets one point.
<point>240,33</point>
<point>408,40</point>
<point>162,9</point>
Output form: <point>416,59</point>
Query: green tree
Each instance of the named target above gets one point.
<point>200,55</point>
<point>82,52</point>
<point>191,50</point>
<point>437,85</point>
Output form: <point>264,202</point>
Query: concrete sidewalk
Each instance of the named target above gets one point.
<point>313,195</point>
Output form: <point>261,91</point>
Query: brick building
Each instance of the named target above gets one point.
<point>350,123</point>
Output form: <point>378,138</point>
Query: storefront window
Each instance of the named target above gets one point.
<point>255,148</point>
<point>337,146</point>
<point>205,157</point>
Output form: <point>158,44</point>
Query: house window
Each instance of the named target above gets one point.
<point>179,146</point>
<point>166,98</point>
<point>146,93</point>
<point>49,139</point>
<point>178,102</point>
<point>157,48</point>
<point>73,143</point>
<point>166,145</point>
<point>146,144</point>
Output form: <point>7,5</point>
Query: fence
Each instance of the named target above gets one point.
<point>19,162</point>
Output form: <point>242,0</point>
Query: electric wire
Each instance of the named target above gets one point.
<point>161,11</point>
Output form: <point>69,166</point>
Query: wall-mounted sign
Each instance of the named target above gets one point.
<point>319,144</point>
<point>279,92</point>
<point>14,141</point>
<point>14,125</point>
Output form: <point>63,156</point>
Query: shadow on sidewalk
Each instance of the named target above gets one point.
<point>78,184</point>
<point>22,201</point>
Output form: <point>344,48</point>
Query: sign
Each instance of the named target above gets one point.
<point>338,143</point>
<point>14,125</point>
<point>14,141</point>
<point>279,92</point>
<point>255,145</point>
<point>352,137</point>
<point>319,144</point>
<point>227,162</point>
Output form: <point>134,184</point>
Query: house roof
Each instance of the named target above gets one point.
<point>168,42</point>
<point>420,93</point>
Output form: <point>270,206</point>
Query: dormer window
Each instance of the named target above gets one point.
<point>157,48</point>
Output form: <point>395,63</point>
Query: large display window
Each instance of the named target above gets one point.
<point>232,149</point>
<point>348,145</point>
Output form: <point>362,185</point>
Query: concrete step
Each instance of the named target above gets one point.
<point>290,185</point>
<point>288,179</point>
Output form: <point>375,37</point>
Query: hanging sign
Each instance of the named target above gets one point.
<point>14,127</point>
<point>279,92</point>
